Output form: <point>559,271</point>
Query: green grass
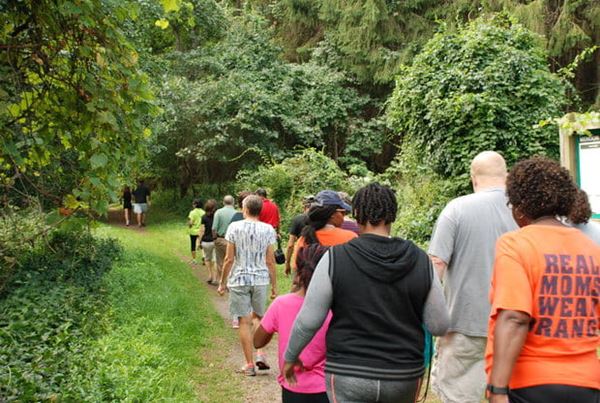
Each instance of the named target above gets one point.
<point>162,322</point>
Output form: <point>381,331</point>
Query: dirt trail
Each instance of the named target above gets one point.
<point>264,386</point>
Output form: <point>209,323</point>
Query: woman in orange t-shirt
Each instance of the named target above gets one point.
<point>543,329</point>
<point>325,218</point>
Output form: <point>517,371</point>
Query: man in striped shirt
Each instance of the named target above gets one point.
<point>248,270</point>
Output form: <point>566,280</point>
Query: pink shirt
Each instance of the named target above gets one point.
<point>280,318</point>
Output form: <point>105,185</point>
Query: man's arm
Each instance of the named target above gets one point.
<point>272,273</point>
<point>288,253</point>
<point>214,226</point>
<point>227,264</point>
<point>440,266</point>
<point>509,336</point>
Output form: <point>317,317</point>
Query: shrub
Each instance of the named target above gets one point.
<point>51,310</point>
<point>18,231</point>
<point>69,256</point>
<point>305,173</point>
<point>483,87</point>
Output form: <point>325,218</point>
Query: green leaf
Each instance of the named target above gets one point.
<point>98,160</point>
<point>162,23</point>
<point>170,5</point>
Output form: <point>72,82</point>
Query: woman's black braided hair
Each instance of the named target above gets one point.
<point>374,203</point>
<point>317,219</point>
<point>306,262</point>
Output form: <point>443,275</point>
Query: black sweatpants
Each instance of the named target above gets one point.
<point>287,396</point>
<point>554,393</point>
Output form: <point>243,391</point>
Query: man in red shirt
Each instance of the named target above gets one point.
<point>270,212</point>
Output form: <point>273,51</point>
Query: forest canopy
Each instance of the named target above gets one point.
<point>95,93</point>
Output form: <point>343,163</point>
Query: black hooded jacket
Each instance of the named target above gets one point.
<point>380,286</point>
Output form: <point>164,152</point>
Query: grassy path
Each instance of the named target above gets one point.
<point>185,318</point>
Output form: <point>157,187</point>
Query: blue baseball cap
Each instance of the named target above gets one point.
<point>331,198</point>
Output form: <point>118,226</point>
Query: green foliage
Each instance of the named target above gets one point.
<point>305,173</point>
<point>18,232</point>
<point>236,101</point>
<point>73,105</point>
<point>421,194</point>
<point>45,331</point>
<point>50,313</point>
<point>480,88</point>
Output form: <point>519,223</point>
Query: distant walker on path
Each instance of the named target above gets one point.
<point>141,197</point>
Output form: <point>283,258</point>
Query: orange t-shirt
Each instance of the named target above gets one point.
<point>327,237</point>
<point>552,274</point>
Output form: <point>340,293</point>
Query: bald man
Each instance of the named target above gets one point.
<point>462,250</point>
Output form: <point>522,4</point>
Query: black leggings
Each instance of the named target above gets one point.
<point>287,396</point>
<point>554,393</point>
<point>193,239</point>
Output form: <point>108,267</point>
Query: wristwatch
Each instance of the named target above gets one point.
<point>495,390</point>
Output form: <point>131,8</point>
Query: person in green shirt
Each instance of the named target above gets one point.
<point>195,224</point>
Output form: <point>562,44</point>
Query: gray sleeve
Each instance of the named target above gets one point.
<point>444,234</point>
<point>313,312</point>
<point>435,314</point>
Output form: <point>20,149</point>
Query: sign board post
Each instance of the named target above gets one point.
<point>580,154</point>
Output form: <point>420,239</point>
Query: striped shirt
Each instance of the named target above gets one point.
<point>251,240</point>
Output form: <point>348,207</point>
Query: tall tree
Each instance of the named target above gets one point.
<point>73,104</point>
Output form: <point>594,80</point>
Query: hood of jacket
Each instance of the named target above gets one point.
<point>382,258</point>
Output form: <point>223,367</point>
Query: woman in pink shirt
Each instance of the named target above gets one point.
<point>280,318</point>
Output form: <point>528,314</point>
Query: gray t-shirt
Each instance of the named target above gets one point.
<point>591,229</point>
<point>465,238</point>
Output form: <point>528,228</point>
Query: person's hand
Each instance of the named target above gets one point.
<point>288,268</point>
<point>273,292</point>
<point>222,288</point>
<point>289,371</point>
<point>498,398</point>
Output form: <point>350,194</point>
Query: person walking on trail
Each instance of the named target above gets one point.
<point>248,270</point>
<point>297,225</point>
<point>141,197</point>
<point>381,291</point>
<point>462,250</point>
<point>220,224</point>
<point>270,212</point>
<point>207,242</point>
<point>280,316</point>
<point>543,328</point>
<point>325,218</point>
<point>195,225</point>
<point>239,216</point>
<point>127,206</point>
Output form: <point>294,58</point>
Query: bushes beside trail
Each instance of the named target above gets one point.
<point>51,311</point>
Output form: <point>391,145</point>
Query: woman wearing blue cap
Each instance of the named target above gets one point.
<point>325,218</point>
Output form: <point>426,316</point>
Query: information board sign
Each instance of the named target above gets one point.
<point>588,169</point>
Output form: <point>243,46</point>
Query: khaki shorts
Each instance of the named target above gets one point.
<point>209,251</point>
<point>246,299</point>
<point>458,373</point>
<point>140,208</point>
